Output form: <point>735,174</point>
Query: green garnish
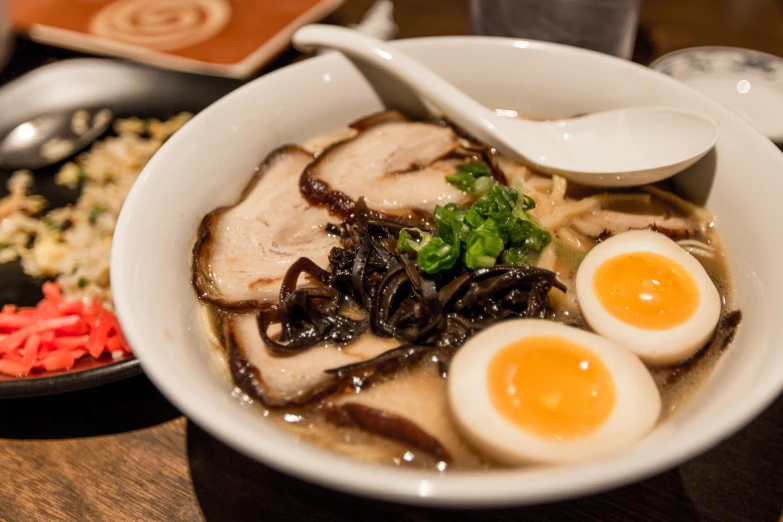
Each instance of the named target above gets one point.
<point>81,176</point>
<point>473,178</point>
<point>438,255</point>
<point>406,240</point>
<point>518,256</point>
<point>82,282</point>
<point>484,246</point>
<point>497,225</point>
<point>434,254</point>
<point>95,212</point>
<point>49,222</point>
<point>3,245</point>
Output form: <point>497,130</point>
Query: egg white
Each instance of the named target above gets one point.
<point>635,412</point>
<point>654,347</point>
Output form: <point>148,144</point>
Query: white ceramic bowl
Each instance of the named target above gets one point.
<point>207,163</point>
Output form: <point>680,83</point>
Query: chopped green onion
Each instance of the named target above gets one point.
<point>82,282</point>
<point>473,178</point>
<point>537,238</point>
<point>81,176</point>
<point>518,256</point>
<point>496,226</point>
<point>498,202</point>
<point>484,247</point>
<point>474,218</point>
<point>407,242</point>
<point>438,255</point>
<point>49,222</point>
<point>465,181</point>
<point>95,212</point>
<point>475,262</point>
<point>483,185</point>
<point>477,168</point>
<point>450,220</point>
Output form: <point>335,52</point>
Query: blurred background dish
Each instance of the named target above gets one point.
<point>748,82</point>
<point>231,38</point>
<point>6,34</point>
<point>128,90</point>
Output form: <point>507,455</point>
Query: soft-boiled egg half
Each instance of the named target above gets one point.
<point>530,390</point>
<point>643,290</point>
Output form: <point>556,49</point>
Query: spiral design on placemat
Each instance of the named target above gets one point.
<point>163,25</point>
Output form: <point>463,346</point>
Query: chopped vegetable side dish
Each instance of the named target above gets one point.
<point>71,246</point>
<point>55,333</point>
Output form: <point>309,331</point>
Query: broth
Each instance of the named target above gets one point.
<point>557,207</point>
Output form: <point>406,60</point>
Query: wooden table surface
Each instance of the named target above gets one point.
<point>122,452</point>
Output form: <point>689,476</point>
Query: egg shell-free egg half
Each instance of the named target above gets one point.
<point>636,408</point>
<point>659,347</point>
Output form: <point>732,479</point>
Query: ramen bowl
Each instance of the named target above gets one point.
<point>209,161</point>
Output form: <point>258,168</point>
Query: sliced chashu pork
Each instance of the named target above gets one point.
<point>603,222</point>
<point>412,408</point>
<point>395,164</point>
<point>243,251</point>
<point>282,381</point>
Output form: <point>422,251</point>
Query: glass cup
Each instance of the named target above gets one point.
<point>608,26</point>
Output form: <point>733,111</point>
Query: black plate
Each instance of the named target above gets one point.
<point>87,83</point>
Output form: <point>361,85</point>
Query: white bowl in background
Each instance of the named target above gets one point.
<point>209,161</point>
<point>746,81</point>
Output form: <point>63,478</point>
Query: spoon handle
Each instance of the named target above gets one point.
<point>461,109</point>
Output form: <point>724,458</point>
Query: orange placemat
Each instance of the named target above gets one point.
<point>222,37</point>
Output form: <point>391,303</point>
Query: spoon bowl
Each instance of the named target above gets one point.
<point>617,148</point>
<point>51,138</point>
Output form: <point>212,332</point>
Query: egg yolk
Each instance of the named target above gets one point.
<point>551,387</point>
<point>646,290</point>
